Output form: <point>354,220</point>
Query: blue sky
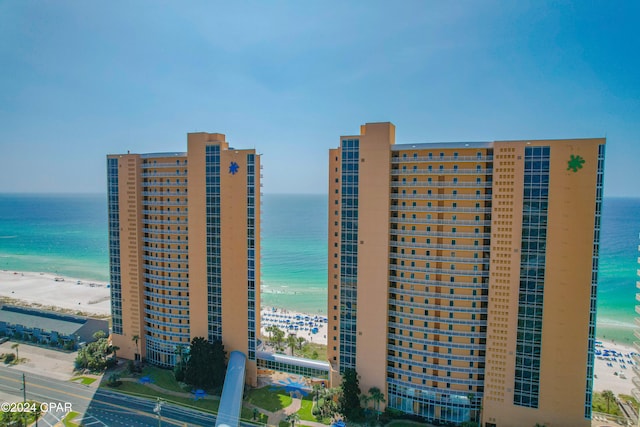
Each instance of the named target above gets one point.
<point>79,80</point>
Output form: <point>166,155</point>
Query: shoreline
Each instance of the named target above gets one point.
<point>92,298</point>
<point>51,291</point>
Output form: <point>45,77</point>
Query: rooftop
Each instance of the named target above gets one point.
<point>436,145</point>
<point>44,320</point>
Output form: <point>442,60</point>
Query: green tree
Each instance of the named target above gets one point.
<point>135,339</point>
<point>301,342</point>
<point>181,365</point>
<point>349,402</point>
<point>93,356</point>
<point>609,397</point>
<point>364,400</point>
<point>376,396</point>
<point>206,365</point>
<point>98,335</point>
<point>218,363</point>
<point>278,338</point>
<point>270,329</point>
<point>293,419</point>
<point>316,391</point>
<point>115,349</point>
<point>199,370</point>
<point>292,342</point>
<point>15,347</point>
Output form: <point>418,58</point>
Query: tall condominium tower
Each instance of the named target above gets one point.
<point>462,276</point>
<point>184,249</point>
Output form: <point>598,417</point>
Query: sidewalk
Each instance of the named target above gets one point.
<point>276,417</point>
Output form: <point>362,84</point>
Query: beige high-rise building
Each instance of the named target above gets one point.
<point>184,249</point>
<point>463,276</point>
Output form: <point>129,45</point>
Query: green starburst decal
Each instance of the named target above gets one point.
<point>575,163</point>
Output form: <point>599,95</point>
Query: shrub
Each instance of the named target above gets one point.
<point>178,372</point>
<point>9,358</point>
<point>114,380</point>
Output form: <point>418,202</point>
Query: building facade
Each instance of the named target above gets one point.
<point>463,276</point>
<point>184,238</point>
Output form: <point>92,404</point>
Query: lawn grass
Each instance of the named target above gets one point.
<point>271,400</point>
<point>142,390</point>
<point>67,420</point>
<point>162,378</point>
<point>84,380</point>
<point>309,348</point>
<point>284,424</point>
<point>305,409</point>
<point>247,414</point>
<point>600,405</point>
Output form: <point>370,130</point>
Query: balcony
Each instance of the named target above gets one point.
<point>161,212</point>
<point>163,174</point>
<point>148,221</point>
<point>167,279</point>
<point>163,241</point>
<point>165,193</point>
<point>449,235</point>
<point>417,257</point>
<point>164,259</point>
<point>398,172</point>
<point>164,203</point>
<point>437,271</point>
<point>409,245</point>
<point>161,231</point>
<point>146,184</point>
<point>435,159</point>
<point>450,209</point>
<point>399,196</point>
<point>435,221</point>
<point>163,165</point>
<point>439,295</point>
<point>442,184</point>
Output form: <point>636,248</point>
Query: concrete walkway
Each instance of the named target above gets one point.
<point>274,418</point>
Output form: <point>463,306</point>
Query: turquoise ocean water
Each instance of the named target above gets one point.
<point>67,234</point>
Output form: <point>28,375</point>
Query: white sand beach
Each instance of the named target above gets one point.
<point>47,290</point>
<point>613,371</point>
<point>312,327</point>
<point>614,367</point>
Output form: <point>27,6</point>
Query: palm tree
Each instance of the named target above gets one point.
<point>270,330</point>
<point>293,419</point>
<point>301,342</point>
<point>37,412</point>
<point>278,338</point>
<point>292,342</point>
<point>135,338</point>
<point>316,391</point>
<point>115,349</point>
<point>365,399</point>
<point>609,397</point>
<point>15,347</point>
<point>377,396</point>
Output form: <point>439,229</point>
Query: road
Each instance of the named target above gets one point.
<point>98,407</point>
